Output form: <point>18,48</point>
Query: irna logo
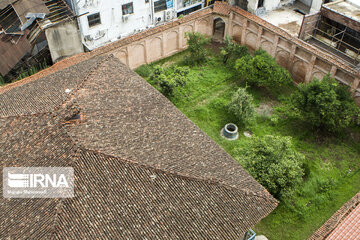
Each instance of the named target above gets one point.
<point>38,182</point>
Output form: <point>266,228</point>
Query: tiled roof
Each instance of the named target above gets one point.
<point>142,169</point>
<point>344,224</point>
<point>349,228</point>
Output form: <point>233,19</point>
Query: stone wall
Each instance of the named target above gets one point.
<point>303,61</point>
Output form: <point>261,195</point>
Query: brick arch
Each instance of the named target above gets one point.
<point>155,49</point>
<point>122,56</point>
<point>236,32</point>
<point>203,26</point>
<point>282,58</point>
<point>299,70</point>
<point>267,46</point>
<point>317,74</point>
<point>171,42</point>
<point>137,55</point>
<point>250,40</point>
<point>186,28</point>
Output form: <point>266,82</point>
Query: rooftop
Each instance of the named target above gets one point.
<point>348,8</point>
<point>142,168</point>
<point>344,224</point>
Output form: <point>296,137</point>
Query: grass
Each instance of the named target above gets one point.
<point>332,163</point>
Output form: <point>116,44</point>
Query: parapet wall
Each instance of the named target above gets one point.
<point>304,61</point>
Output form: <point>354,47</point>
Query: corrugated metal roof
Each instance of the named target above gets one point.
<point>22,7</point>
<point>4,3</point>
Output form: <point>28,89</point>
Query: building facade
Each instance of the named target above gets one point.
<point>105,21</point>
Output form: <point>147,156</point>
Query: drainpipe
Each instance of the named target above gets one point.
<point>152,12</point>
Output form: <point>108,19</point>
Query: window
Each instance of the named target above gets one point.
<point>94,19</point>
<point>127,8</point>
<point>160,5</point>
<point>146,1</point>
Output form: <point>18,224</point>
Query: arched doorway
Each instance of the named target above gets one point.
<point>219,29</point>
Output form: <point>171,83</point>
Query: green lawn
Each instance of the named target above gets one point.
<point>332,163</point>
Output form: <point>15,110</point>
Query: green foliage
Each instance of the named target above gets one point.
<point>242,106</point>
<point>325,104</point>
<point>32,70</point>
<point>144,70</point>
<point>232,51</point>
<point>196,42</point>
<point>181,16</point>
<point>273,162</point>
<point>2,80</point>
<point>262,70</point>
<point>168,79</point>
<point>204,100</point>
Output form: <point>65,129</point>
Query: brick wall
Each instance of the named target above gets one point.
<point>308,25</point>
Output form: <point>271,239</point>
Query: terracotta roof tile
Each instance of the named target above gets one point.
<point>349,228</point>
<point>142,169</point>
<point>342,222</point>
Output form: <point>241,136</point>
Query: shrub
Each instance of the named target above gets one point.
<point>232,51</point>
<point>273,162</point>
<point>324,104</point>
<point>168,79</point>
<point>144,70</point>
<point>242,105</point>
<point>262,70</point>
<point>196,42</point>
<point>2,80</point>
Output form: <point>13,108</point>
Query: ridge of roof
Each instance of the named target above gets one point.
<point>41,138</point>
<point>132,88</point>
<point>70,102</point>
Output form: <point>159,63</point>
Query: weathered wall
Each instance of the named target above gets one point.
<point>302,60</point>
<point>162,41</point>
<point>64,40</point>
<point>308,25</point>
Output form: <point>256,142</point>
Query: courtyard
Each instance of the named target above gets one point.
<point>332,161</point>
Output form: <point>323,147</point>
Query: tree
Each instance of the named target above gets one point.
<point>262,70</point>
<point>273,162</point>
<point>325,104</point>
<point>232,51</point>
<point>196,42</point>
<point>242,105</point>
<point>168,79</point>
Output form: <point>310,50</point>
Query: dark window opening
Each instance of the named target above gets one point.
<point>127,8</point>
<point>260,3</point>
<point>160,5</point>
<point>190,10</point>
<point>94,19</point>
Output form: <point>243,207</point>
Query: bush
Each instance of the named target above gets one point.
<point>2,80</point>
<point>168,79</point>
<point>325,104</point>
<point>232,51</point>
<point>262,70</point>
<point>144,70</point>
<point>273,162</point>
<point>196,42</point>
<point>242,105</point>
